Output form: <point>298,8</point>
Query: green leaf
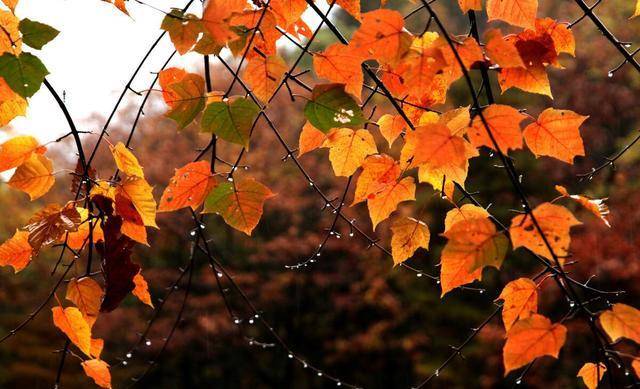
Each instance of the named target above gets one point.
<point>331,107</point>
<point>36,34</point>
<point>24,73</point>
<point>190,91</point>
<point>231,122</point>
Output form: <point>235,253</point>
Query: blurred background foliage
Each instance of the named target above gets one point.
<point>351,313</point>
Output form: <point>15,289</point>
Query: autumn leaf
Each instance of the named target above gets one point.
<point>378,172</point>
<point>24,73</point>
<point>70,321</point>
<point>86,294</point>
<point>17,150</point>
<point>532,338</point>
<point>183,29</point>
<point>504,124</point>
<point>465,212</point>
<point>119,4</point>
<point>126,161</point>
<point>98,370</point>
<point>592,373</point>
<point>140,194</point>
<point>231,121</point>
<point>598,207</point>
<point>348,149</point>
<point>141,291</point>
<point>16,251</point>
<point>184,94</point>
<point>531,79</point>
<point>50,224</point>
<point>36,34</point>
<point>188,187</point>
<point>77,239</point>
<point>637,11</point>
<point>408,234</point>
<point>34,176</point>
<point>521,13</point>
<point>562,36</point>
<point>502,51</point>
<point>381,36</point>
<point>12,105</point>
<point>475,242</point>
<point>351,6</point>
<point>556,133</point>
<point>264,75</point>
<point>10,41</point>
<point>520,301</point>
<point>332,107</point>
<point>385,202</point>
<point>239,202</point>
<point>310,139</point>
<point>470,5</point>
<point>555,221</point>
<point>216,15</point>
<point>622,321</point>
<point>337,63</point>
<point>288,11</point>
<point>391,126</point>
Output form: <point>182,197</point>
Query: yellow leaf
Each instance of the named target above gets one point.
<point>264,74</point>
<point>86,294</point>
<point>476,243</point>
<point>34,176</point>
<point>387,200</point>
<point>591,374</point>
<point>16,251</point>
<point>622,321</point>
<point>520,301</point>
<point>409,234</point>
<point>465,212</point>
<point>348,149</point>
<point>77,239</point>
<point>16,151</point>
<point>70,321</point>
<point>556,133</point>
<point>126,161</point>
<point>140,193</point>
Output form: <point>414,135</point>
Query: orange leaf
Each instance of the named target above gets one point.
<point>96,347</point>
<point>76,239</point>
<point>10,40</point>
<point>504,124</point>
<point>556,133</point>
<point>348,148</point>
<point>126,161</point>
<point>391,126</point>
<point>622,321</point>
<point>521,13</point>
<point>184,94</point>
<point>381,36</point>
<point>239,202</point>
<point>476,243</point>
<point>532,338</point>
<point>16,151</point>
<point>34,176</point>
<point>591,374</point>
<point>339,64</point>
<point>12,104</point>
<point>216,15</point>
<point>288,11</point>
<point>98,370</point>
<point>86,294</point>
<point>466,212</point>
<point>409,234</point>
<point>595,206</point>
<point>555,221</point>
<point>531,79</point>
<point>563,39</point>
<point>119,4</point>
<point>351,6</point>
<point>502,51</point>
<point>141,291</point>
<point>188,187</point>
<point>140,194</point>
<point>387,200</point>
<point>636,366</point>
<point>70,321</point>
<point>470,5</point>
<point>378,172</point>
<point>264,74</point>
<point>310,139</point>
<point>16,251</point>
<point>520,301</point>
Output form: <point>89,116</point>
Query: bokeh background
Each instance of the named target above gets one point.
<point>351,313</point>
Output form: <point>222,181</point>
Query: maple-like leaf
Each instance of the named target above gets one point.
<point>503,122</point>
<point>555,221</point>
<point>521,13</point>
<point>465,212</point>
<point>598,207</point>
<point>339,64</point>
<point>621,321</point>
<point>216,15</point>
<point>17,150</point>
<point>502,51</point>
<point>16,251</point>
<point>532,338</point>
<point>288,11</point>
<point>520,301</point>
<point>476,243</point>
<point>50,224</point>
<point>592,373</point>
<point>310,139</point>
<point>409,234</point>
<point>184,94</point>
<point>556,133</point>
<point>188,187</point>
<point>239,202</point>
<point>348,148</point>
<point>86,294</point>
<point>141,291</point>
<point>98,370</point>
<point>264,74</point>
<point>70,321</point>
<point>183,29</point>
<point>531,79</point>
<point>126,161</point>
<point>385,202</point>
<point>332,107</point>
<point>378,172</point>
<point>231,120</point>
<point>381,36</point>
